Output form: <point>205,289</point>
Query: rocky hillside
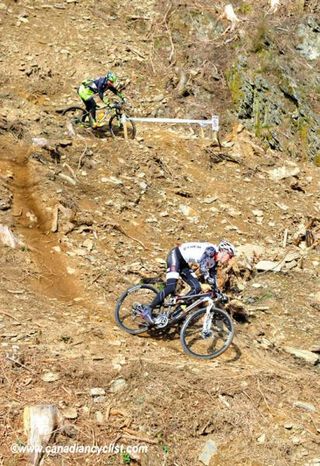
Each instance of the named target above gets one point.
<point>82,217</point>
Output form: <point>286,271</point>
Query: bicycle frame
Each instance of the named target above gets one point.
<point>202,299</point>
<point>106,113</point>
<point>108,110</point>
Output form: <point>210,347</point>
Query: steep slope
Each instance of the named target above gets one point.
<point>97,214</point>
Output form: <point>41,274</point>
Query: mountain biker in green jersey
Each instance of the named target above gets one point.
<point>91,87</point>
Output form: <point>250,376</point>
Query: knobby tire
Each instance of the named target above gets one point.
<point>116,127</point>
<point>123,311</point>
<point>192,328</point>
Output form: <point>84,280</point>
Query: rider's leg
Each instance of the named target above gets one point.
<point>168,289</point>
<point>91,107</point>
<point>86,95</point>
<point>190,278</point>
<point>174,264</point>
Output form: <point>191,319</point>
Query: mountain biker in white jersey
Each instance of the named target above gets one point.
<point>206,255</point>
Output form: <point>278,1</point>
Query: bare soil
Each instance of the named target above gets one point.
<point>128,204</point>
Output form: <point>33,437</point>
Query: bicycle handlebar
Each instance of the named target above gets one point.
<point>214,293</point>
<point>115,105</point>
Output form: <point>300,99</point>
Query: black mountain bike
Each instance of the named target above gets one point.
<point>109,117</point>
<point>207,330</point>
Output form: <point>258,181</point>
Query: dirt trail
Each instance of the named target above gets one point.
<point>33,222</point>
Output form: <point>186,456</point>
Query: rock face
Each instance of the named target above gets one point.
<point>271,96</point>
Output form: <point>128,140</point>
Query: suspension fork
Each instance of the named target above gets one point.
<point>208,317</point>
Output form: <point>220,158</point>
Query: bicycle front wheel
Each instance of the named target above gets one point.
<point>78,115</point>
<point>117,129</point>
<point>202,342</point>
<point>125,314</point>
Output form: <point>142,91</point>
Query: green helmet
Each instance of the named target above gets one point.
<point>111,77</point>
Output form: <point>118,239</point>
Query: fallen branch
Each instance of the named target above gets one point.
<point>285,238</point>
<point>108,412</point>
<point>80,164</point>
<point>67,178</point>
<point>131,49</point>
<point>19,363</point>
<point>70,170</point>
<point>121,230</point>
<point>132,434</point>
<point>9,315</point>
<point>54,226</point>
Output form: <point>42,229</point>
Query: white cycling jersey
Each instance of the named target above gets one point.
<point>199,253</point>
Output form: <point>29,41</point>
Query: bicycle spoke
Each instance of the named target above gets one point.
<point>207,341</point>
<point>117,128</point>
<point>126,315</point>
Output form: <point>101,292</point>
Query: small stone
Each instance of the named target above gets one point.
<point>208,451</point>
<point>50,377</point>
<point>118,385</point>
<point>278,174</point>
<point>112,180</point>
<point>143,185</point>
<point>303,405</point>
<point>265,343</point>
<point>158,98</point>
<point>99,418</point>
<point>296,440</point>
<point>258,213</point>
<point>307,356</point>
<point>88,243</point>
<point>118,362</point>
<point>268,266</point>
<point>261,439</point>
<point>99,399</point>
<point>97,391</point>
<point>209,200</point>
<point>292,256</point>
<point>316,297</point>
<point>70,413</point>
<point>314,462</point>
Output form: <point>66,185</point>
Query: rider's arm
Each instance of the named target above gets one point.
<point>206,261</point>
<point>208,266</point>
<point>116,92</point>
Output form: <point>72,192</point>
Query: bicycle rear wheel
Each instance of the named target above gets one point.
<point>117,130</point>
<point>213,342</point>
<point>78,116</point>
<point>125,315</point>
